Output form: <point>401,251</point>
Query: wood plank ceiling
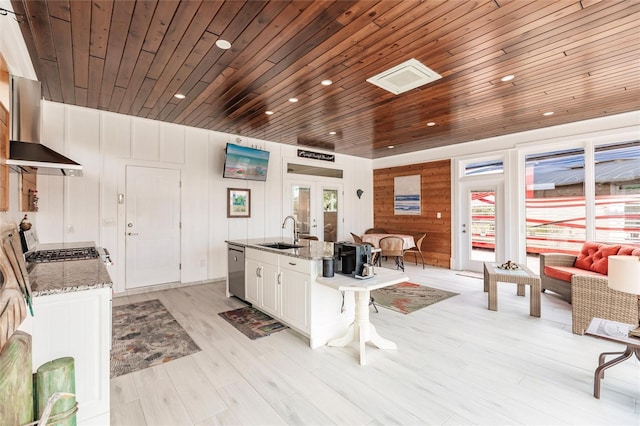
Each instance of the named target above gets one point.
<point>579,59</point>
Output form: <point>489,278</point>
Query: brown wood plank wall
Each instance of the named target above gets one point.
<point>435,179</point>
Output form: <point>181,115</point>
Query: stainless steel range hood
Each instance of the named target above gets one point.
<point>26,154</point>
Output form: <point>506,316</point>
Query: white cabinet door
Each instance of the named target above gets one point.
<point>271,289</point>
<point>253,281</point>
<point>295,295</point>
<point>77,325</point>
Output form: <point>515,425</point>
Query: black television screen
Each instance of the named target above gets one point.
<point>246,163</point>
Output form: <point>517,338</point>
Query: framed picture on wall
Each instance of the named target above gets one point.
<point>406,195</point>
<point>238,202</point>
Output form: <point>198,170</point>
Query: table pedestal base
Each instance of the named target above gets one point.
<point>599,374</point>
<point>362,330</point>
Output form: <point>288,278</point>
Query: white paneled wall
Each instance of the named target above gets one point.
<point>87,208</point>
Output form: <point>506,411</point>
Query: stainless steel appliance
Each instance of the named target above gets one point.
<point>34,252</point>
<point>235,261</point>
<point>352,258</point>
<point>26,153</point>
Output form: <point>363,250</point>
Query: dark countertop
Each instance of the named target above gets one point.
<point>310,250</point>
<point>68,276</point>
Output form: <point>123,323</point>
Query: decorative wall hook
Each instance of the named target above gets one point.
<point>359,193</point>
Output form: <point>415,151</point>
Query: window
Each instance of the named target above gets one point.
<point>555,203</point>
<point>617,179</point>
<point>484,168</point>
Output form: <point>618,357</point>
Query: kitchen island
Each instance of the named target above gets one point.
<point>284,283</point>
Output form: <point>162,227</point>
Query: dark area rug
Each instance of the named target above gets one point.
<point>146,334</point>
<point>409,297</point>
<point>252,322</point>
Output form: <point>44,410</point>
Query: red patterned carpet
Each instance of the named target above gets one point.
<point>146,334</point>
<point>252,322</point>
<point>409,297</point>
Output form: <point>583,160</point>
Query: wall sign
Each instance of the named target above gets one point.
<point>316,155</point>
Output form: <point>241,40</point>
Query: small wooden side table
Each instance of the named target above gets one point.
<point>615,332</point>
<point>521,277</point>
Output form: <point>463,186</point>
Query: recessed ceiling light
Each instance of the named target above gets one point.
<point>431,123</point>
<point>391,146</point>
<point>508,77</point>
<point>326,82</point>
<point>269,112</point>
<point>223,44</point>
<point>332,133</point>
<point>179,96</point>
<point>548,113</point>
<point>293,99</point>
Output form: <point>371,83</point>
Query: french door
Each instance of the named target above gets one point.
<point>479,232</point>
<point>317,207</point>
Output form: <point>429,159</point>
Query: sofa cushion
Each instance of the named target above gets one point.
<point>629,251</point>
<point>593,257</point>
<point>565,273</point>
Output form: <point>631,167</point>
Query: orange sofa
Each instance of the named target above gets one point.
<point>582,281</point>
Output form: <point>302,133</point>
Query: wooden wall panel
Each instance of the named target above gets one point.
<point>435,179</point>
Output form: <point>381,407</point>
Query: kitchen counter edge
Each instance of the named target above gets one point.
<point>310,250</point>
<point>68,277</point>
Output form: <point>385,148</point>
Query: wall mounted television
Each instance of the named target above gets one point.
<point>246,163</point>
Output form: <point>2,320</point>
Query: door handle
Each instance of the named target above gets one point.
<point>132,233</point>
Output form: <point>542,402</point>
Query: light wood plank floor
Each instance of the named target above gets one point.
<point>456,363</point>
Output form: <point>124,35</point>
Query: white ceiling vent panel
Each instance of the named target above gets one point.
<point>405,76</point>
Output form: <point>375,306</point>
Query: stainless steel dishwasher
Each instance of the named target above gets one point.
<point>235,260</point>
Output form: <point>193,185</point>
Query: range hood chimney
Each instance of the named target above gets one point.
<point>26,154</point>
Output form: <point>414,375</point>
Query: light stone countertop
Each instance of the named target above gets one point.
<point>310,250</point>
<point>68,276</point>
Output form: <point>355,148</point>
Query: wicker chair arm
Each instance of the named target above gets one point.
<point>592,298</point>
<point>556,259</point>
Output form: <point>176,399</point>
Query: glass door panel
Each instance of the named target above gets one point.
<point>301,200</point>
<point>483,225</point>
<point>330,214</point>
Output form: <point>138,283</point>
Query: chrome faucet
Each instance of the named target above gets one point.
<point>295,227</point>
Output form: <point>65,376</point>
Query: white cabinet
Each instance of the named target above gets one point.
<point>271,289</point>
<point>295,285</point>
<point>253,280</point>
<point>280,286</point>
<point>78,325</point>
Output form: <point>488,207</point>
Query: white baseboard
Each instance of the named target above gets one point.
<point>167,286</point>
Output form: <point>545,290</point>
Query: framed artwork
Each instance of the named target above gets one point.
<point>406,195</point>
<point>238,202</point>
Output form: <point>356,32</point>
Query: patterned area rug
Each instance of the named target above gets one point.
<point>409,297</point>
<point>252,322</point>
<point>146,334</point>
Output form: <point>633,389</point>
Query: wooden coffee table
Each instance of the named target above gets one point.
<point>520,277</point>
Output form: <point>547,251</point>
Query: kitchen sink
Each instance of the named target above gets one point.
<point>281,245</point>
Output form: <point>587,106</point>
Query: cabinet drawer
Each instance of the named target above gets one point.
<point>295,264</point>
<point>262,256</point>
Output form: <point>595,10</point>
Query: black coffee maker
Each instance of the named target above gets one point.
<point>351,257</point>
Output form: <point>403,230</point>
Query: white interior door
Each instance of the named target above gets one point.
<point>152,226</point>
<point>479,230</point>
